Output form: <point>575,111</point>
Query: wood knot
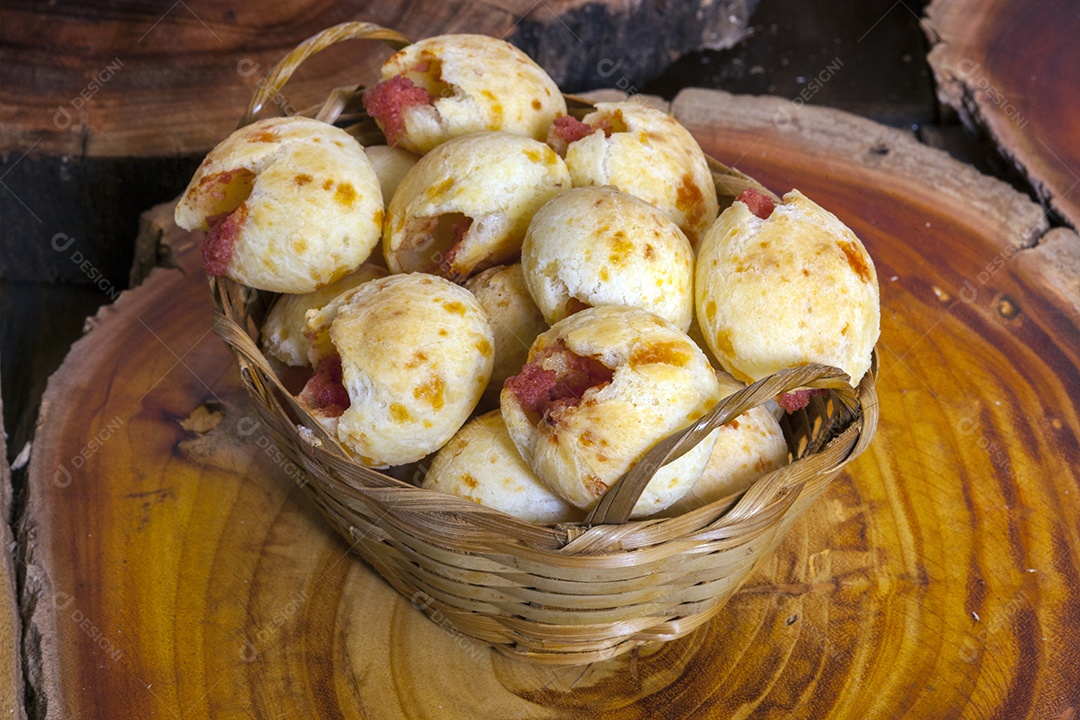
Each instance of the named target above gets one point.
<point>1007,308</point>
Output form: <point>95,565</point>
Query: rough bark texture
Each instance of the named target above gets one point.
<point>937,576</point>
<point>11,677</point>
<point>1013,69</point>
<point>623,44</point>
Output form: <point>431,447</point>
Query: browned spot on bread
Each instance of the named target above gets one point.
<point>723,343</point>
<point>536,104</point>
<point>299,246</point>
<point>345,194</point>
<point>856,260</point>
<point>440,188</point>
<point>496,109</point>
<point>667,352</point>
<point>690,201</point>
<point>470,481</point>
<point>378,217</point>
<point>432,391</point>
<point>399,413</point>
<point>534,155</point>
<point>454,307</point>
<point>328,184</point>
<point>587,438</point>
<point>484,347</point>
<point>710,310</point>
<point>302,179</point>
<point>620,246</point>
<point>264,136</point>
<point>688,194</point>
<point>417,359</point>
<point>239,175</point>
<point>650,252</point>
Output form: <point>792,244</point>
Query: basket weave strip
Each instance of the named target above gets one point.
<point>572,593</point>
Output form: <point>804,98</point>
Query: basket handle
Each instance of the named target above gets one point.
<point>318,42</point>
<point>617,503</point>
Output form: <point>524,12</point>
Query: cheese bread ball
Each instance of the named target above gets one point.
<point>452,85</point>
<point>481,464</point>
<point>414,355</point>
<point>390,165</point>
<point>466,205</point>
<point>602,387</point>
<point>746,448</point>
<point>645,152</point>
<point>786,287</point>
<point>600,246</point>
<point>289,205</point>
<point>283,331</point>
<point>515,321</point>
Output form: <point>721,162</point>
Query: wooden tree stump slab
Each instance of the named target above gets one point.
<point>1014,69</point>
<point>176,568</point>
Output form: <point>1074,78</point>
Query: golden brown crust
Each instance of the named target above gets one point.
<point>466,205</point>
<point>651,156</point>
<point>660,382</point>
<point>305,204</point>
<point>600,246</point>
<point>416,353</point>
<point>477,83</point>
<point>796,288</point>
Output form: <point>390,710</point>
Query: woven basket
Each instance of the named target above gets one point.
<point>572,593</point>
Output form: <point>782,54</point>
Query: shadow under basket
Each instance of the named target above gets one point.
<point>573,593</point>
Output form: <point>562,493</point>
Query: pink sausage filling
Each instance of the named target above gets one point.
<point>217,249</point>
<point>547,392</point>
<point>325,392</point>
<point>570,129</point>
<point>565,130</point>
<point>797,400</point>
<point>460,229</point>
<point>388,101</point>
<point>758,203</point>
